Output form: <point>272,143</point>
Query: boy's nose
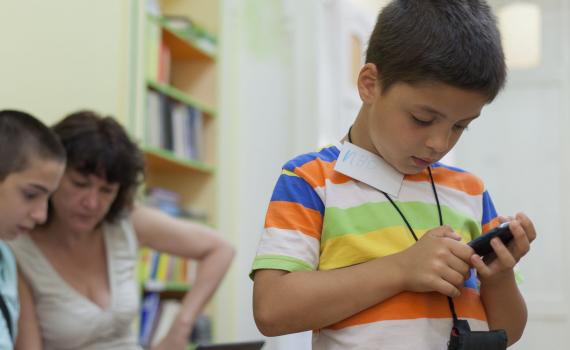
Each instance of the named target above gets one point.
<point>438,142</point>
<point>39,213</point>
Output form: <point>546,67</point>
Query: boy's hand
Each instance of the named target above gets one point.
<point>437,262</point>
<point>523,232</point>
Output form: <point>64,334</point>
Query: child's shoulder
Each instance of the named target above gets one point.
<point>458,178</point>
<point>323,157</point>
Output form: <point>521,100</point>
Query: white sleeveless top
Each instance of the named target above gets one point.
<point>68,320</point>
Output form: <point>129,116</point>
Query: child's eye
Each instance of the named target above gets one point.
<point>30,195</point>
<point>461,127</point>
<point>421,121</point>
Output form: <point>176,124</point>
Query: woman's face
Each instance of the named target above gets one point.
<point>82,201</point>
<point>24,196</point>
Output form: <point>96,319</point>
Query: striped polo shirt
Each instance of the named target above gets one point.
<point>322,219</point>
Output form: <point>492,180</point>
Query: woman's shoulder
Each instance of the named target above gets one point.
<point>121,234</point>
<point>22,245</point>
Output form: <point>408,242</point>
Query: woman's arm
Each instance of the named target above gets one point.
<point>183,238</point>
<point>29,336</point>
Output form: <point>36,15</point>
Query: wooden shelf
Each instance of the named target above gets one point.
<point>181,84</point>
<point>181,46</point>
<point>167,161</point>
<point>157,286</point>
<point>180,96</point>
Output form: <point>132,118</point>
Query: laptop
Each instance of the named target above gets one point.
<point>250,345</point>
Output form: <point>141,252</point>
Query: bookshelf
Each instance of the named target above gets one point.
<point>179,136</point>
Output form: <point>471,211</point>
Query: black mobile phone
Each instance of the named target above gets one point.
<point>482,244</point>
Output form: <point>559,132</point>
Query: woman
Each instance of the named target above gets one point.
<point>80,266</point>
<point>32,162</point>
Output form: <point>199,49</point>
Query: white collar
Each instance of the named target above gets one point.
<point>368,168</point>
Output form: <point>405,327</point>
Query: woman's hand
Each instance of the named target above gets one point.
<point>177,337</point>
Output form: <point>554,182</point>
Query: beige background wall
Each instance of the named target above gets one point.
<point>61,55</point>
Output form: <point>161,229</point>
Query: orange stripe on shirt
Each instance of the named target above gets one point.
<point>409,305</point>
<point>491,224</point>
<point>294,216</point>
<point>461,181</point>
<point>317,171</point>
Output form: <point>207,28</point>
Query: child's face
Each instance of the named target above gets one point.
<point>24,196</point>
<point>82,201</point>
<point>414,126</point>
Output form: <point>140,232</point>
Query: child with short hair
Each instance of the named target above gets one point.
<point>364,241</point>
<point>32,161</point>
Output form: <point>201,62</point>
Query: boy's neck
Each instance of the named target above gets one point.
<point>359,133</point>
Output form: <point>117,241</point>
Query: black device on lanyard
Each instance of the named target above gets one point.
<point>461,337</point>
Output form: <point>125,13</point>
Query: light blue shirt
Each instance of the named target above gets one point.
<point>9,291</point>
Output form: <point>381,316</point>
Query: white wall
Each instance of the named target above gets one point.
<point>520,147</point>
<point>266,118</point>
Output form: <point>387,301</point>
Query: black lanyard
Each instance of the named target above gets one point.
<point>450,301</point>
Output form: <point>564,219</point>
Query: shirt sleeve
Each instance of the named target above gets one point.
<point>290,239</point>
<point>489,218</point>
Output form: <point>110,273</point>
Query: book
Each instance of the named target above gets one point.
<point>154,110</point>
<point>149,317</point>
<point>164,63</point>
<point>168,311</point>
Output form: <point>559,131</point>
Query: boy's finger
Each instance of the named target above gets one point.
<point>482,269</point>
<point>503,219</point>
<point>503,253</point>
<point>447,288</point>
<point>528,226</point>
<point>521,243</point>
<point>445,231</point>
<point>461,265</point>
<point>461,250</point>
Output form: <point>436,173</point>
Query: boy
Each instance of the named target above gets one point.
<point>32,161</point>
<point>339,254</point>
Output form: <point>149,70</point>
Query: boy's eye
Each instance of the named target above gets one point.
<point>30,195</point>
<point>461,127</point>
<point>421,121</point>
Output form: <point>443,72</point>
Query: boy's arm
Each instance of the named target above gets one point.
<point>500,295</point>
<point>288,302</point>
<point>505,306</point>
<point>29,336</point>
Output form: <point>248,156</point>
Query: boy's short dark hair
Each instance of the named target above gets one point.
<point>456,42</point>
<point>97,145</point>
<point>22,137</point>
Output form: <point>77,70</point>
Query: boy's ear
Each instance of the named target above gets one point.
<point>368,82</point>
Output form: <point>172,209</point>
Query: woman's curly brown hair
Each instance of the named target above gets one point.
<point>97,145</point>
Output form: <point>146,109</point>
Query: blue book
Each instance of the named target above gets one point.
<point>149,313</point>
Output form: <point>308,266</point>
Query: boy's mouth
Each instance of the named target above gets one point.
<point>422,162</point>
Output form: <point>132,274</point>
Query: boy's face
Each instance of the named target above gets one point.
<point>24,196</point>
<point>412,126</point>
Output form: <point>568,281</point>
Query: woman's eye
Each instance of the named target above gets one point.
<point>107,190</point>
<point>79,184</point>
